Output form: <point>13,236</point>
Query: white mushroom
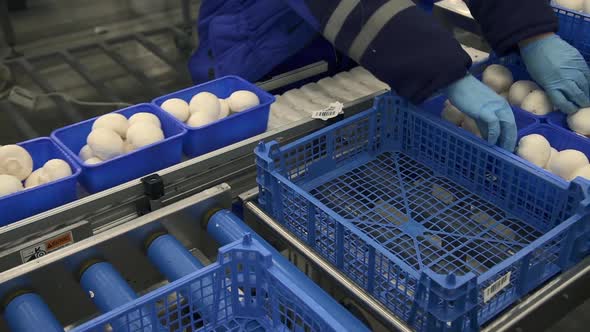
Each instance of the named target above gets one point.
<point>580,121</point>
<point>471,126</point>
<point>498,77</point>
<point>534,148</point>
<point>86,153</point>
<point>567,162</point>
<point>224,109</point>
<point>144,117</point>
<point>143,133</point>
<point>128,147</point>
<point>114,121</point>
<point>537,102</point>
<point>583,172</point>
<point>177,108</point>
<point>452,114</point>
<point>520,90</point>
<point>199,119</point>
<point>93,161</point>
<point>105,143</point>
<point>9,185</point>
<point>205,102</point>
<point>56,169</point>
<point>16,161</point>
<point>242,100</point>
<point>36,178</point>
<point>552,155</point>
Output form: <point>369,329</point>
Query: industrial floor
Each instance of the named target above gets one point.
<point>50,26</point>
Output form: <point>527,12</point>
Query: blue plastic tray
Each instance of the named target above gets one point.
<point>442,228</point>
<point>245,291</point>
<point>574,27</point>
<point>129,166</point>
<point>436,105</point>
<point>230,130</point>
<point>45,197</point>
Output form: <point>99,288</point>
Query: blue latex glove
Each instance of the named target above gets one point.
<point>491,112</point>
<point>561,70</point>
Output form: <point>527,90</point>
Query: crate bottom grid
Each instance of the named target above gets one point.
<point>391,200</point>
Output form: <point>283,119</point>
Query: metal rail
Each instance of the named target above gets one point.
<point>358,293</point>
<point>69,57</point>
<point>539,310</point>
<point>234,165</point>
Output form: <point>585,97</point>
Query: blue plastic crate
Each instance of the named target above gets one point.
<point>242,291</point>
<point>442,228</point>
<point>227,131</point>
<point>436,105</point>
<point>127,167</point>
<point>45,197</point>
<point>574,27</point>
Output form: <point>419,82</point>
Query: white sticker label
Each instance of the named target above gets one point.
<point>333,110</point>
<point>41,249</point>
<point>496,287</point>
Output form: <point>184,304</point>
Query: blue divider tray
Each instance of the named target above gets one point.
<point>232,129</point>
<point>560,139</point>
<point>127,167</point>
<point>35,200</point>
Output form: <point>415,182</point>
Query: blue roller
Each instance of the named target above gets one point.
<point>174,261</point>
<point>171,258</point>
<point>28,313</point>
<point>109,290</point>
<point>225,227</point>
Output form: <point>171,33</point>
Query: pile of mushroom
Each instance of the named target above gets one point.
<point>113,135</point>
<point>16,170</point>
<point>205,108</point>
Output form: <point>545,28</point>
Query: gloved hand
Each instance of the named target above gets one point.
<point>491,112</point>
<point>561,70</point>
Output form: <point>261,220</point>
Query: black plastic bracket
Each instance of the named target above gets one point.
<point>153,188</point>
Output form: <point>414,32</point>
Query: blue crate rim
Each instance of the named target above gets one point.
<point>271,99</point>
<point>574,13</point>
<point>531,130</point>
<point>574,218</point>
<point>83,164</point>
<point>451,129</point>
<point>76,169</point>
<point>246,244</point>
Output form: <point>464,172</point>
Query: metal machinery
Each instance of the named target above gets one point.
<point>191,200</point>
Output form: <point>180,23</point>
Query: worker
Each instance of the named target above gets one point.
<point>400,45</point>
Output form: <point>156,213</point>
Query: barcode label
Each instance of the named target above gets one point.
<point>496,287</point>
<point>333,110</point>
